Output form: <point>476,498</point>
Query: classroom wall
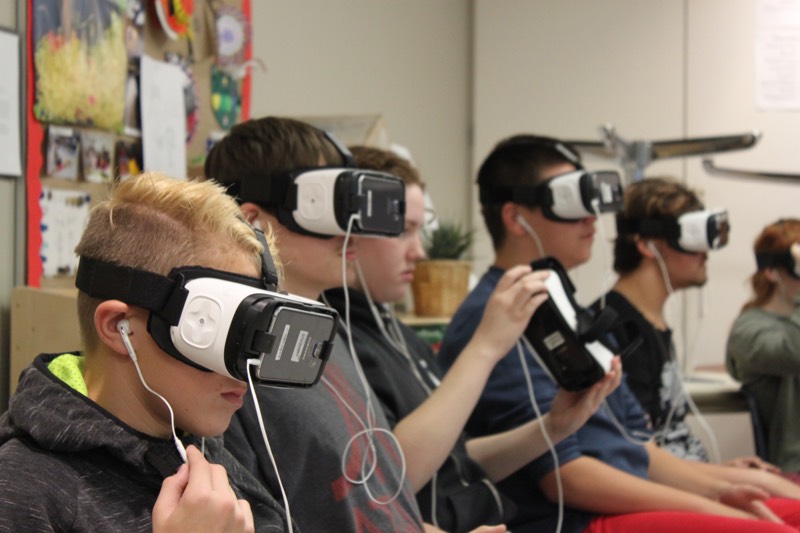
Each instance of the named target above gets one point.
<point>407,60</point>
<point>10,213</point>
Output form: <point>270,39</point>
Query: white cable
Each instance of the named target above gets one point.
<point>530,231</point>
<point>681,389</point>
<point>398,342</point>
<point>550,446</point>
<point>395,336</point>
<point>254,362</point>
<point>369,430</point>
<point>368,433</point>
<point>623,431</point>
<point>122,328</point>
<point>716,456</point>
<point>607,271</point>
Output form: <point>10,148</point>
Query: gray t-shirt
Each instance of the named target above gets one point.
<point>309,431</point>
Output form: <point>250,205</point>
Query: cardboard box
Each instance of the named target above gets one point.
<point>42,320</point>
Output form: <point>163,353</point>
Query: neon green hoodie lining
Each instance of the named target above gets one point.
<point>69,369</point>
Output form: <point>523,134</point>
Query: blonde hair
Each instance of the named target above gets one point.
<point>156,223</point>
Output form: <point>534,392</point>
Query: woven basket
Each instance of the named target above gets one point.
<point>440,286</point>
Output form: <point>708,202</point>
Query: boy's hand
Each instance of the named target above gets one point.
<point>570,410</point>
<point>749,499</point>
<point>199,498</point>
<point>517,295</point>
<point>753,461</point>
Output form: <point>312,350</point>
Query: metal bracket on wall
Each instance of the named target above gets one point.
<point>712,169</point>
<point>634,156</point>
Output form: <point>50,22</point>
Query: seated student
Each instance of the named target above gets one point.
<point>611,481</point>
<point>763,349</point>
<point>427,412</point>
<point>332,447</point>
<point>652,263</point>
<point>88,443</point>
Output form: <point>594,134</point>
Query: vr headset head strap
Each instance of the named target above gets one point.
<point>347,157</point>
<point>268,271</point>
<point>782,259</point>
<point>649,227</point>
<point>281,190</point>
<point>148,290</point>
<point>529,195</point>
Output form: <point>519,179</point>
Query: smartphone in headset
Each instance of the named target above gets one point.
<point>297,355</point>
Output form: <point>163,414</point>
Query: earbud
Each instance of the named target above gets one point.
<point>651,247</point>
<point>256,224</point>
<point>124,328</point>
<point>524,223</point>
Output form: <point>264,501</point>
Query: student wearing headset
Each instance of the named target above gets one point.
<point>661,247</point>
<point>332,448</point>
<point>452,476</point>
<point>664,235</point>
<point>89,442</point>
<point>612,478</point>
<point>763,349</point>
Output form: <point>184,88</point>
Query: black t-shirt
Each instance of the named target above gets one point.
<point>652,373</point>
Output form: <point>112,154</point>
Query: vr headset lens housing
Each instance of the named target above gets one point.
<point>217,321</point>
<point>224,323</point>
<point>692,232</point>
<point>581,194</point>
<point>567,197</point>
<point>326,199</point>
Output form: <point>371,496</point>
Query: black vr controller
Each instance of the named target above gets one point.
<point>566,336</point>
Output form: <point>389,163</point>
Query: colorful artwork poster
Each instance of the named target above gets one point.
<point>128,158</point>
<point>97,150</point>
<point>63,151</point>
<point>80,61</point>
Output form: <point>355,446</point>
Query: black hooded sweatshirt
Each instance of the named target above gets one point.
<point>67,464</point>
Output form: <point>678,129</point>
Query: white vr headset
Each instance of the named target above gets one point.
<point>566,197</point>
<point>692,232</point>
<point>218,321</point>
<point>321,201</point>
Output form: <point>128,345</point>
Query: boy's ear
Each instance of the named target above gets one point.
<point>250,211</point>
<point>772,275</point>
<point>106,319</point>
<point>645,247</point>
<point>510,214</point>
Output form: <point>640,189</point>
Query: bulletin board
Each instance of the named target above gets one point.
<point>83,114</point>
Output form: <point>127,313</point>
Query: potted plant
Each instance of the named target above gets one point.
<point>441,280</point>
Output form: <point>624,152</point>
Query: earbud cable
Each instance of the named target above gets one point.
<point>132,353</point>
<point>256,362</point>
